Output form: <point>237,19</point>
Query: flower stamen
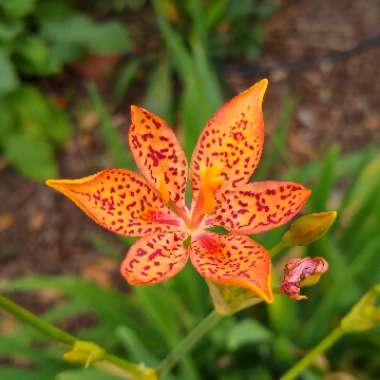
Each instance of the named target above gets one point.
<point>210,182</point>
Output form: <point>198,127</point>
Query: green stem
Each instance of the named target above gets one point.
<point>280,246</point>
<point>38,323</point>
<point>323,346</point>
<point>132,370</point>
<point>138,372</point>
<point>188,343</point>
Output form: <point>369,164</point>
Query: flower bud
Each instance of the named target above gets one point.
<point>302,272</point>
<point>228,299</point>
<point>365,314</point>
<point>84,353</point>
<point>309,228</point>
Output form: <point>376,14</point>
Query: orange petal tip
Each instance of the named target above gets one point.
<point>258,89</point>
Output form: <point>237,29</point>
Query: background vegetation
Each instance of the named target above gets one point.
<point>69,70</point>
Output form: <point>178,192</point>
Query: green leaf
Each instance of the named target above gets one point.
<point>35,57</point>
<point>18,374</point>
<point>124,79</point>
<point>159,94</point>
<point>9,80</point>
<point>116,149</point>
<point>18,8</point>
<point>86,374</point>
<point>248,331</point>
<point>10,30</point>
<point>326,179</point>
<point>31,155</point>
<point>276,152</point>
<point>135,347</point>
<point>81,31</point>
<point>6,121</point>
<point>37,114</point>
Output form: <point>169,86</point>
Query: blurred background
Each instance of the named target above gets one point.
<point>69,71</point>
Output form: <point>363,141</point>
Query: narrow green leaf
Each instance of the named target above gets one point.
<point>277,152</point>
<point>159,93</point>
<point>116,149</point>
<point>124,80</point>
<point>325,180</point>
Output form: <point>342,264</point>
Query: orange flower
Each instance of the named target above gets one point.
<point>224,159</point>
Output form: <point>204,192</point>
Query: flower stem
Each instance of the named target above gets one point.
<point>280,246</point>
<point>324,345</point>
<point>188,343</point>
<point>38,323</point>
<point>125,368</point>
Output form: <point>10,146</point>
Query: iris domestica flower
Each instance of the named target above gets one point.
<point>153,206</point>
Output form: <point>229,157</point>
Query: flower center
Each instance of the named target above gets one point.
<point>211,181</point>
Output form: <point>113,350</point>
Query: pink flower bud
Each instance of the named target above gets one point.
<point>302,272</point>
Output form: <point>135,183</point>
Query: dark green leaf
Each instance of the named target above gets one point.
<point>159,97</point>
<point>35,57</point>
<point>18,8</point>
<point>79,30</point>
<point>248,331</point>
<point>117,151</point>
<point>86,374</point>
<point>8,75</point>
<point>31,156</point>
<point>38,115</point>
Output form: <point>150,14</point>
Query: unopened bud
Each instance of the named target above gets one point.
<point>299,273</point>
<point>85,353</point>
<point>309,228</point>
<point>365,314</point>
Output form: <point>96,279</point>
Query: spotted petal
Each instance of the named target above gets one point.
<point>155,258</point>
<point>158,155</point>
<point>233,260</point>
<point>232,139</point>
<point>120,201</point>
<point>259,206</point>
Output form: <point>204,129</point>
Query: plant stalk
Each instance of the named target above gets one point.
<point>31,319</point>
<point>127,369</point>
<point>280,246</point>
<point>188,343</point>
<point>305,362</point>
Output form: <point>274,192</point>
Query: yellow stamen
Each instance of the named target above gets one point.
<point>164,189</point>
<point>211,180</point>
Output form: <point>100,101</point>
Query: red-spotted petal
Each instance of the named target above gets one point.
<point>120,201</point>
<point>233,260</point>
<point>232,139</point>
<point>259,206</point>
<point>155,258</point>
<point>158,155</point>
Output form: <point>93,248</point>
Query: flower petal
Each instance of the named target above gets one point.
<point>232,139</point>
<point>155,258</point>
<point>158,155</point>
<point>259,206</point>
<point>120,201</point>
<point>233,260</point>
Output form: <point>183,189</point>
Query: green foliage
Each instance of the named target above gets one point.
<point>37,37</point>
<point>31,127</point>
<point>144,324</point>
